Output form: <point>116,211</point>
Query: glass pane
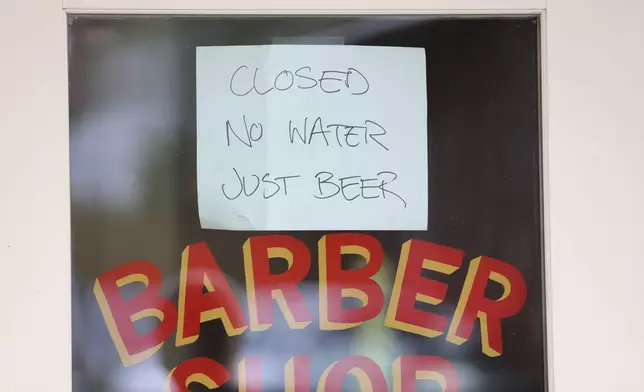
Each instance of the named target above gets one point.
<point>468,309</point>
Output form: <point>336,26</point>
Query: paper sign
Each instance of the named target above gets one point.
<point>296,137</point>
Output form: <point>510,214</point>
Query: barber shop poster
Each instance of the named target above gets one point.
<point>306,204</point>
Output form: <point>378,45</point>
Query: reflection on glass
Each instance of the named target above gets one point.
<point>133,176</point>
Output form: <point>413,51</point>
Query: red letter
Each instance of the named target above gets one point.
<point>473,303</point>
<point>120,314</point>
<point>408,369</point>
<point>337,283</point>
<point>263,287</point>
<point>204,371</point>
<point>368,373</point>
<point>249,375</point>
<point>410,287</point>
<point>297,375</point>
<point>198,269</point>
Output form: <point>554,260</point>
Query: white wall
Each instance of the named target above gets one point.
<point>595,96</point>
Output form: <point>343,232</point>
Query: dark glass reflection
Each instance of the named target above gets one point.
<point>133,174</point>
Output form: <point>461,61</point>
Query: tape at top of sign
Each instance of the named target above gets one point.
<point>312,137</point>
<point>307,40</point>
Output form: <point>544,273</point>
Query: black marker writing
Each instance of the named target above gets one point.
<point>374,134</point>
<point>347,135</point>
<point>361,77</point>
<point>299,74</point>
<point>330,81</point>
<point>354,187</point>
<point>232,79</point>
<point>326,78</point>
<point>286,82</point>
<point>271,186</point>
<point>253,133</point>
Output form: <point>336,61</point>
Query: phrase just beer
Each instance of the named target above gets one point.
<point>218,302</point>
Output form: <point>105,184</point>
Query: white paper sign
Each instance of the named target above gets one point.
<point>296,137</point>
